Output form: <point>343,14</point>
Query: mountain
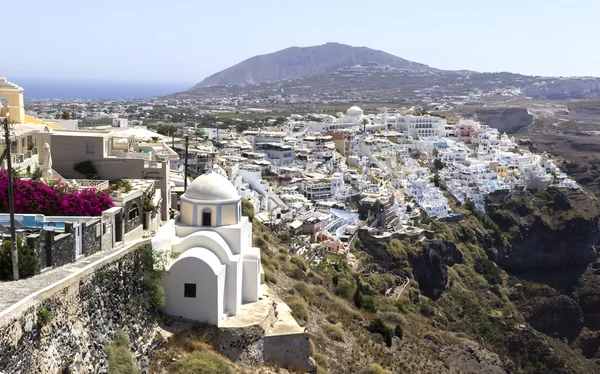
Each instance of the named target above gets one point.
<point>302,62</point>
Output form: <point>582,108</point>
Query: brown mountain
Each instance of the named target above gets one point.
<point>302,62</point>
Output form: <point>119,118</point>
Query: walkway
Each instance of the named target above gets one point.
<point>12,292</point>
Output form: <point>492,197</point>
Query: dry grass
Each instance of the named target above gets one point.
<point>334,332</point>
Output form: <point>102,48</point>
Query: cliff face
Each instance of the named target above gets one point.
<point>557,229</point>
<point>508,120</point>
<point>428,262</point>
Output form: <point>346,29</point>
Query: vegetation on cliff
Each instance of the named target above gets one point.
<point>457,300</point>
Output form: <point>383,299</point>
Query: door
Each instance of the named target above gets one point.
<point>78,239</point>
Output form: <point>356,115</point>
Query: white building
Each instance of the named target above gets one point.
<point>217,269</point>
<point>421,126</point>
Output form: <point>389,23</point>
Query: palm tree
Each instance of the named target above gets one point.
<point>365,122</point>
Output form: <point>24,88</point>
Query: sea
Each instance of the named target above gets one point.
<point>36,89</point>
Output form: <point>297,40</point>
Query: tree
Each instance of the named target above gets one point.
<point>65,114</point>
<point>398,331</point>
<point>436,180</point>
<point>167,130</point>
<point>364,123</point>
<point>438,164</point>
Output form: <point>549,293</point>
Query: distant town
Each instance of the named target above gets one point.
<point>317,177</point>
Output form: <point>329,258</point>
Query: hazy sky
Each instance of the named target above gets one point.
<point>187,40</point>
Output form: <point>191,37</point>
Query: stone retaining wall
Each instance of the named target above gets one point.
<point>245,345</point>
<point>83,313</point>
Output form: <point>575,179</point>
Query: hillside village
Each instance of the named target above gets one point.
<point>315,179</point>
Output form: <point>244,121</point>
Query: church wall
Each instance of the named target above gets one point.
<point>229,214</point>
<point>208,305</point>
<point>187,213</point>
<point>233,287</point>
<point>251,285</point>
<point>233,237</point>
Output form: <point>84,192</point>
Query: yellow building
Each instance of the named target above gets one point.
<point>11,101</point>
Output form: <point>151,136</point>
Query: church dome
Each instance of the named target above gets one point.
<point>355,111</point>
<point>211,187</point>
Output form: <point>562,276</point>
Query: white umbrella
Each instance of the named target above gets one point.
<point>47,163</point>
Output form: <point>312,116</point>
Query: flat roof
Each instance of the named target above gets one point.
<point>81,133</point>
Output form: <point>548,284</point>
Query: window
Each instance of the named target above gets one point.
<point>134,211</point>
<point>206,218</point>
<point>90,148</point>
<point>189,290</point>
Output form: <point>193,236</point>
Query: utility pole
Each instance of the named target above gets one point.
<point>185,170</point>
<point>11,204</point>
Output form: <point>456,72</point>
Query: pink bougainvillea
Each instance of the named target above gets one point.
<point>56,199</point>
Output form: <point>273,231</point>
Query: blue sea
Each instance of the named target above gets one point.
<point>82,89</point>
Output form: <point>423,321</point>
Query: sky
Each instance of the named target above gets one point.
<point>185,41</point>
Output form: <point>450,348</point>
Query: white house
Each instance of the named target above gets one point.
<point>217,269</point>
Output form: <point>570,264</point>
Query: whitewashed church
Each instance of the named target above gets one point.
<point>215,269</point>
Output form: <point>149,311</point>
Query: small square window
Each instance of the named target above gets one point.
<point>189,289</point>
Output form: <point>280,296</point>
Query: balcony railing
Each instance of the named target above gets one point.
<point>90,183</point>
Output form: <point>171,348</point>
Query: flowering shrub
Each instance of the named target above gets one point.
<point>55,199</point>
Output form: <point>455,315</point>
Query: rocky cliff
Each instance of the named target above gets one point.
<point>508,120</point>
<point>552,230</point>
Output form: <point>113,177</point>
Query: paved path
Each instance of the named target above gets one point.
<point>12,292</point>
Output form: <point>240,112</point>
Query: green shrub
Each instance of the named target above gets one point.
<point>322,293</point>
<point>392,317</point>
<point>345,288</point>
<point>285,237</point>
<point>377,369</point>
<point>120,359</point>
<point>377,326</point>
<point>363,297</point>
<point>44,316</point>
<point>247,209</point>
<point>489,270</point>
<point>398,331</point>
<point>305,291</point>
<point>37,174</point>
<point>260,243</point>
<point>152,271</point>
<point>270,275</point>
<point>335,332</point>
<point>321,360</point>
<point>426,308</point>
<point>203,362</point>
<point>28,259</point>
<point>87,169</point>
<point>299,262</point>
<point>401,307</point>
<point>299,308</point>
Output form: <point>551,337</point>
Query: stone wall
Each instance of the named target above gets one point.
<point>245,345</point>
<point>131,224</point>
<point>290,350</point>
<point>63,248</point>
<point>38,243</point>
<point>85,311</point>
<point>107,233</point>
<point>92,236</point>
